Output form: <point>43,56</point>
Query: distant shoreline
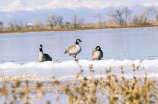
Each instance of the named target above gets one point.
<point>74,29</point>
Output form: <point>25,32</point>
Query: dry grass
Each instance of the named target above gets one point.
<point>107,89</point>
<point>74,29</point>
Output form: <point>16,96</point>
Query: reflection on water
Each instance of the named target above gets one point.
<point>117,44</point>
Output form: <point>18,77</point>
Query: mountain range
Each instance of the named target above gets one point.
<point>65,8</point>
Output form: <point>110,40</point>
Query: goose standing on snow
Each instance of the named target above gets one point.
<point>74,49</point>
<point>42,56</point>
<point>97,54</point>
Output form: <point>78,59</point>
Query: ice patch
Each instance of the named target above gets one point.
<point>83,63</point>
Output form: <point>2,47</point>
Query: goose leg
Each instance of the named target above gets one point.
<point>74,56</point>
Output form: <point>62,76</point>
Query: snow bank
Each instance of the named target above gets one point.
<point>83,63</point>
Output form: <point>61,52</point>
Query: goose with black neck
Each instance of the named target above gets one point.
<point>74,49</point>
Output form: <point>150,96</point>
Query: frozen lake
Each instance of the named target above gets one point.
<point>121,47</point>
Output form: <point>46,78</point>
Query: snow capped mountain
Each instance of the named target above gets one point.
<point>18,6</point>
<point>69,4</point>
<point>150,4</point>
<point>101,5</point>
<point>66,8</point>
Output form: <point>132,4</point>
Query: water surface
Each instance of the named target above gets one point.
<point>19,51</point>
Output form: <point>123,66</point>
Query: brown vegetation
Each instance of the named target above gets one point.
<point>75,29</point>
<point>112,89</point>
<point>119,18</point>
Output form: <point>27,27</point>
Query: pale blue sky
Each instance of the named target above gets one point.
<point>41,2</point>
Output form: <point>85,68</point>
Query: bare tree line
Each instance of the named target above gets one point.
<point>1,25</point>
<point>100,22</point>
<point>15,24</point>
<point>143,18</point>
<point>53,21</point>
<point>120,17</point>
<point>123,16</point>
<point>155,11</point>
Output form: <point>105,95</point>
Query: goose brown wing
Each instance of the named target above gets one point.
<point>72,47</point>
<point>47,57</point>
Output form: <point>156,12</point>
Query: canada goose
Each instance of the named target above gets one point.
<point>97,53</point>
<point>42,56</point>
<point>74,49</point>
